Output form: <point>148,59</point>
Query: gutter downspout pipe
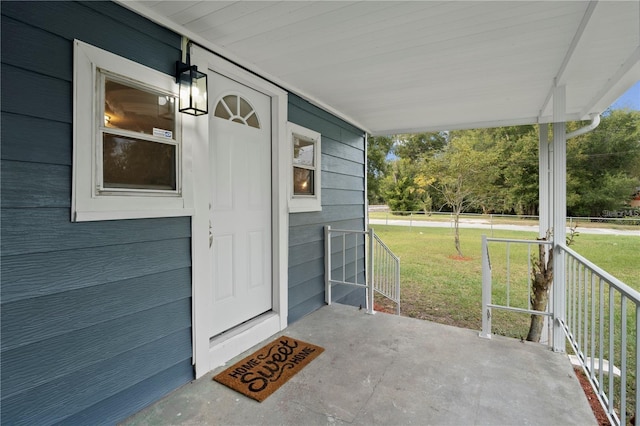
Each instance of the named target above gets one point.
<point>595,121</point>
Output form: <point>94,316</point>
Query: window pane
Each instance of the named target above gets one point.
<point>138,110</point>
<point>245,108</point>
<point>221,111</point>
<point>253,121</point>
<point>302,181</point>
<point>303,151</point>
<point>137,164</point>
<point>232,103</point>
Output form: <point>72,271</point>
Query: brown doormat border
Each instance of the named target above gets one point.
<point>264,371</point>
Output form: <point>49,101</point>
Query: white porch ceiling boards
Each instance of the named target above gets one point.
<point>394,67</point>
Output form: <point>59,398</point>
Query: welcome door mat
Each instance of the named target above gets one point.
<point>263,372</point>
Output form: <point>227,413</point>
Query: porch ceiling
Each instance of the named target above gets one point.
<point>393,67</point>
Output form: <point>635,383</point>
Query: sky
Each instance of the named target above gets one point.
<point>630,99</point>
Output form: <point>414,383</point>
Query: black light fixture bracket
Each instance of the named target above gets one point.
<point>193,85</point>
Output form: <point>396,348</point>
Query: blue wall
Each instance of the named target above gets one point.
<point>343,207</point>
<point>96,317</point>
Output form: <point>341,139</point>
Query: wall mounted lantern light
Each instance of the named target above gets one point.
<point>193,86</point>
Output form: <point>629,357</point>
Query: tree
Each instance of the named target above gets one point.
<point>378,148</point>
<point>415,147</point>
<point>519,168</point>
<point>541,280</point>
<point>603,166</point>
<point>458,173</point>
<point>401,192</point>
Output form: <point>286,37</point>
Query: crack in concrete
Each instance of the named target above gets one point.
<point>375,387</point>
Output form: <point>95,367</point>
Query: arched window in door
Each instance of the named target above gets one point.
<point>237,109</point>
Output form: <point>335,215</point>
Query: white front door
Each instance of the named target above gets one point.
<point>240,203</point>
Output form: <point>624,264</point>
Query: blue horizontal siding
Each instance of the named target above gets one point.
<point>36,95</point>
<point>338,181</point>
<point>23,185</point>
<point>95,316</point>
<point>41,230</point>
<point>39,363</point>
<point>107,25</point>
<point>46,317</point>
<point>30,49</point>
<point>41,274</point>
<point>343,207</point>
<point>73,393</point>
<point>35,140</point>
<point>329,213</point>
<point>132,399</point>
<point>300,235</point>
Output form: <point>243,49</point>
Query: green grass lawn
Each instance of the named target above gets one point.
<point>438,286</point>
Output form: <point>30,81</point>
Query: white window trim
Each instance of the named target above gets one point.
<point>305,203</point>
<point>87,204</point>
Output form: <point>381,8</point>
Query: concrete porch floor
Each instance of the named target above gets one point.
<point>390,370</point>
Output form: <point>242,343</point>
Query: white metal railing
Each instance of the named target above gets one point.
<point>382,267</point>
<point>517,305</point>
<point>601,323</point>
<point>385,270</point>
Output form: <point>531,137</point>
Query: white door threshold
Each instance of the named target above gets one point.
<point>232,343</point>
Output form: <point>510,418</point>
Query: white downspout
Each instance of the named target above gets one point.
<point>559,203</point>
<point>595,121</point>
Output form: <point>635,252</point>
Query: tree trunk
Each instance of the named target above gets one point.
<point>456,237</point>
<point>541,280</point>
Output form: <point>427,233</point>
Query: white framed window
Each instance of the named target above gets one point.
<point>305,179</point>
<point>129,160</point>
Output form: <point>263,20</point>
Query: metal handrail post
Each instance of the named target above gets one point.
<point>486,290</point>
<point>397,263</point>
<point>327,264</point>
<point>636,409</point>
<point>371,275</point>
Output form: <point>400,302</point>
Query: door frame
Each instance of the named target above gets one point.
<point>209,355</point>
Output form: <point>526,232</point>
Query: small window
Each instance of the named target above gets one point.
<point>128,153</point>
<point>305,176</point>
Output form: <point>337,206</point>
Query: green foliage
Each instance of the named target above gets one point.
<point>400,189</point>
<point>603,166</point>
<point>459,173</point>
<point>419,145</point>
<point>378,147</point>
<point>519,172</point>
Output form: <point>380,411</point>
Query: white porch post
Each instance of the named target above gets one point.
<point>545,178</point>
<point>559,218</point>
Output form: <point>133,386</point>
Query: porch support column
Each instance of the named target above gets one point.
<point>545,178</point>
<point>559,214</point>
